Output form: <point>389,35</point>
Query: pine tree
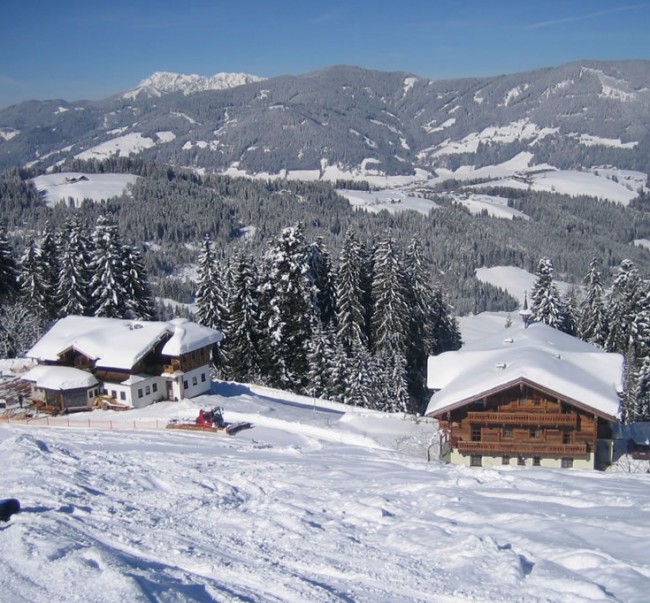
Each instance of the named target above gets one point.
<point>139,300</point>
<point>320,356</point>
<point>8,268</point>
<point>547,306</point>
<point>446,331</point>
<point>622,306</point>
<point>421,341</point>
<point>73,294</point>
<point>642,395</point>
<point>48,259</point>
<point>350,294</point>
<point>592,324</point>
<point>33,286</point>
<point>390,312</point>
<point>108,293</point>
<point>242,337</point>
<point>287,308</point>
<point>210,295</point>
<point>320,273</point>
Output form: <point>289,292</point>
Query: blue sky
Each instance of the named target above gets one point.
<point>90,49</point>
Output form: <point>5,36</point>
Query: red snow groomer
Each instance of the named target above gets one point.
<point>210,420</point>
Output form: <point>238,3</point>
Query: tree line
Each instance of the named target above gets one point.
<point>357,330</point>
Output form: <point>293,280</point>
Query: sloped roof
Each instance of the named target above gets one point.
<point>118,343</point>
<point>540,355</point>
<point>60,377</point>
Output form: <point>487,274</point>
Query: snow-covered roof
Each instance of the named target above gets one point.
<point>573,369</point>
<point>189,336</point>
<point>60,377</point>
<point>118,343</point>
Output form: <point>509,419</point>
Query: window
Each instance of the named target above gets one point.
<point>193,380</point>
<point>202,377</point>
<point>476,460</point>
<point>507,431</point>
<point>186,384</point>
<point>122,395</point>
<point>521,461</point>
<point>566,463</point>
<point>505,460</point>
<point>536,432</point>
<point>476,434</point>
<point>140,393</point>
<point>147,390</point>
<point>566,437</point>
<point>114,394</point>
<point>154,387</point>
<point>537,461</point>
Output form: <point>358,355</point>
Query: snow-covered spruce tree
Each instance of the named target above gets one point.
<point>320,357</point>
<point>592,322</point>
<point>8,269</point>
<point>640,330</point>
<point>286,306</point>
<point>360,379</point>
<point>107,290</point>
<point>547,307</point>
<point>642,394</point>
<point>629,406</point>
<point>48,255</point>
<point>210,294</point>
<point>389,382</point>
<point>34,290</point>
<point>139,299</point>
<point>446,331</point>
<point>73,293</point>
<point>351,329</point>
<point>389,326</point>
<point>622,306</point>
<point>320,273</point>
<point>421,341</point>
<point>20,329</point>
<point>242,337</point>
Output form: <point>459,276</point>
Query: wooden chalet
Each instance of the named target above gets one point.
<point>527,396</point>
<point>133,363</point>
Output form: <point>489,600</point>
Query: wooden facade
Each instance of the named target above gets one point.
<point>522,421</point>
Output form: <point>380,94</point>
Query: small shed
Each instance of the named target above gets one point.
<point>62,388</point>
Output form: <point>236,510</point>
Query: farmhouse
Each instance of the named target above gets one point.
<point>526,396</point>
<point>133,363</point>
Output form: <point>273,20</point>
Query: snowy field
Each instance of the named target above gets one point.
<point>516,281</point>
<point>62,186</point>
<point>392,200</point>
<point>312,504</point>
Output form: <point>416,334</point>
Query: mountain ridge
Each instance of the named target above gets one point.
<point>362,121</point>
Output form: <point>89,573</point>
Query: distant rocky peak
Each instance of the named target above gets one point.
<point>165,82</point>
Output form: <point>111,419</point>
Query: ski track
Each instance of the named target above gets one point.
<point>269,515</point>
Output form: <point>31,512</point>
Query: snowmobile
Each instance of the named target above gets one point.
<point>8,506</point>
<point>210,420</point>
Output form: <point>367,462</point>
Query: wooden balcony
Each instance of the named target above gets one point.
<point>527,448</point>
<point>514,418</point>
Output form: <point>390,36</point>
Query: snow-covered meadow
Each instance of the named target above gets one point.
<point>317,502</point>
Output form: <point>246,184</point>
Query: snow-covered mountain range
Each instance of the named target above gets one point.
<point>165,82</point>
<point>350,122</point>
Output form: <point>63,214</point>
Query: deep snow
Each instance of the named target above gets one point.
<point>312,504</point>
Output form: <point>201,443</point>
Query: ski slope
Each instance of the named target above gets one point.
<point>317,502</point>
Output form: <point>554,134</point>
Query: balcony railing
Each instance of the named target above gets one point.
<point>528,448</point>
<point>513,418</point>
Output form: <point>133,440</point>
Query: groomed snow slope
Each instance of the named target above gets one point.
<point>310,505</point>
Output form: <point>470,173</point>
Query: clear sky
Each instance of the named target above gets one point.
<point>90,49</point>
